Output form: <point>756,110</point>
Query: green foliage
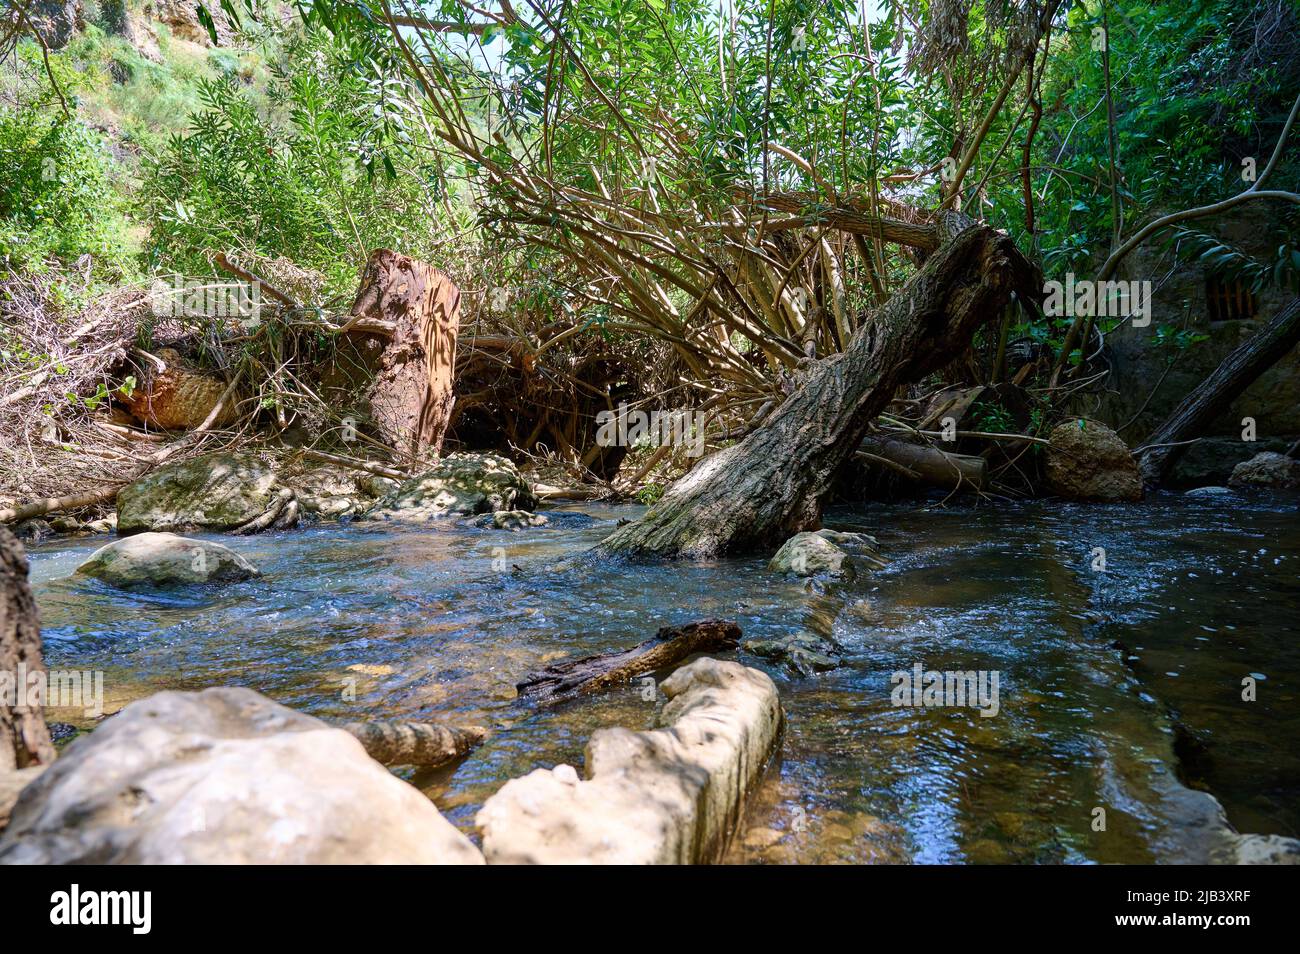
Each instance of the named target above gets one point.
<point>1224,260</point>
<point>1186,112</point>
<point>649,494</point>
<point>312,177</point>
<point>56,194</point>
<point>992,417</point>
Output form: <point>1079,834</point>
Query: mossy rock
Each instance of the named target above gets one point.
<point>460,484</point>
<point>215,492</point>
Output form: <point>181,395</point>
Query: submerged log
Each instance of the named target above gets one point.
<point>756,494</point>
<point>24,737</point>
<point>670,646</point>
<point>415,743</point>
<point>1213,395</point>
<point>411,396</point>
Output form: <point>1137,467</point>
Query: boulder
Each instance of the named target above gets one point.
<point>803,653</point>
<point>165,559</point>
<point>33,531</point>
<point>329,491</point>
<point>1211,493</point>
<point>1268,470</point>
<point>224,776</point>
<point>372,485</point>
<point>812,554</point>
<point>459,484</point>
<point>216,492</point>
<point>672,795</point>
<point>182,18</point>
<point>1088,461</point>
<point>56,20</point>
<point>1267,850</point>
<point>510,520</point>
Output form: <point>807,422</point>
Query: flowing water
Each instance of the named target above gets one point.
<point>1116,688</point>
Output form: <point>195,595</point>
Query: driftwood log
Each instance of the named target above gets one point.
<point>415,743</point>
<point>670,646</point>
<point>411,395</point>
<point>928,465</point>
<point>754,495</point>
<point>24,738</point>
<point>1214,395</point>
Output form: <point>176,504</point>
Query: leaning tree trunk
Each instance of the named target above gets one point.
<point>411,396</point>
<point>755,494</point>
<point>1213,395</point>
<point>24,738</point>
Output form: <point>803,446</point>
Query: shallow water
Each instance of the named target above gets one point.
<point>1102,676</point>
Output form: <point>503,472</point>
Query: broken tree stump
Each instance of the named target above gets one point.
<point>411,395</point>
<point>415,743</point>
<point>24,738</point>
<point>670,645</point>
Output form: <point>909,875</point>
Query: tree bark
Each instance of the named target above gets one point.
<point>415,743</point>
<point>411,396</point>
<point>755,494</point>
<point>24,737</point>
<point>592,673</point>
<point>1213,395</point>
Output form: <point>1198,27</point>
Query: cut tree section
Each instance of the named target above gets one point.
<point>411,395</point>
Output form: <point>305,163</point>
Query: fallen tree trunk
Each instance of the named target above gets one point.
<point>670,646</point>
<point>415,743</point>
<point>411,396</point>
<point>930,465</point>
<point>1213,395</point>
<point>39,508</point>
<point>24,737</point>
<point>755,494</point>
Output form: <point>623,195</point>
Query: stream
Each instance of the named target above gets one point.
<point>1115,687</point>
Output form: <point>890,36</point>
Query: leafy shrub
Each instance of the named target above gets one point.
<point>56,193</point>
<point>308,179</point>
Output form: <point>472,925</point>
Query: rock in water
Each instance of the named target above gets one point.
<point>1269,469</point>
<point>224,776</point>
<point>811,554</point>
<point>671,795</point>
<point>459,484</point>
<point>165,559</point>
<point>510,520</point>
<point>1088,461</point>
<point>215,492</point>
<point>802,653</point>
<point>1211,492</point>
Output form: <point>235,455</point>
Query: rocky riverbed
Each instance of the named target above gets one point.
<point>1119,689</point>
